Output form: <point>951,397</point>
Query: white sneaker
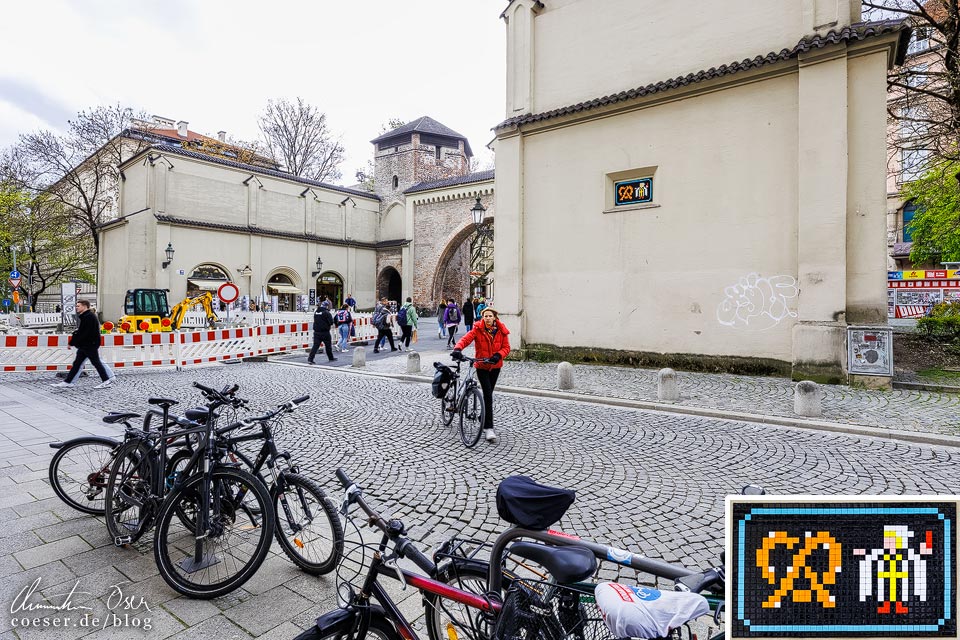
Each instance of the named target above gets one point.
<point>491,436</point>
<point>62,385</point>
<point>106,383</point>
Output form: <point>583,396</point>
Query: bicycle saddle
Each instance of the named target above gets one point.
<point>162,402</point>
<point>113,418</point>
<point>566,564</point>
<point>197,414</point>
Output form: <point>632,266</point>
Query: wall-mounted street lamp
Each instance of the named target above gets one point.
<point>478,211</point>
<point>319,267</point>
<point>169,253</point>
<point>245,271</point>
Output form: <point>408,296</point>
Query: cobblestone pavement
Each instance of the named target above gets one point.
<point>650,481</point>
<point>901,409</point>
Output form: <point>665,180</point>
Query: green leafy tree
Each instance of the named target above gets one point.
<point>936,224</point>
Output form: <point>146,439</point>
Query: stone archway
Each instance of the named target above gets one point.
<point>390,284</point>
<point>452,276</point>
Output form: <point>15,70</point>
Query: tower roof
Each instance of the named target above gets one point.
<point>425,124</point>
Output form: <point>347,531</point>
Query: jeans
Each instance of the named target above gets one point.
<point>488,380</point>
<point>344,330</point>
<point>87,353</point>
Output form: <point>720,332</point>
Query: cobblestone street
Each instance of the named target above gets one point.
<point>650,481</point>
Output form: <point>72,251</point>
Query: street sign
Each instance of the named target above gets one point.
<point>15,282</point>
<point>16,297</point>
<point>228,292</point>
<point>6,302</point>
<point>15,274</point>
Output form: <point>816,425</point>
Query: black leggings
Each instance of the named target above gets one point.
<point>451,335</point>
<point>488,380</point>
<point>381,334</point>
<point>407,334</point>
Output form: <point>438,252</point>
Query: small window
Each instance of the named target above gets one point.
<point>913,163</point>
<point>917,75</point>
<point>920,41</point>
<point>439,152</point>
<point>396,182</point>
<point>631,189</point>
<point>908,213</point>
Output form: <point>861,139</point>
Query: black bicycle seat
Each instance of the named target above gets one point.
<point>113,418</point>
<point>566,564</point>
<point>197,414</point>
<point>166,403</point>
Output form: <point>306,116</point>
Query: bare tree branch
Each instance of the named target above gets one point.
<point>297,137</point>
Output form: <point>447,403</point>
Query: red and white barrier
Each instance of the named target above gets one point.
<point>179,349</point>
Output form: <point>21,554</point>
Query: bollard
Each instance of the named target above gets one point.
<point>667,388</point>
<point>359,357</point>
<point>565,375</point>
<point>808,399</point>
<point>413,362</point>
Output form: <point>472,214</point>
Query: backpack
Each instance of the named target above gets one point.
<point>402,317</point>
<point>453,315</point>
<point>342,316</point>
<point>442,378</point>
<point>379,319</point>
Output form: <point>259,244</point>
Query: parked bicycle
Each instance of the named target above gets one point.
<point>562,610</point>
<point>460,396</point>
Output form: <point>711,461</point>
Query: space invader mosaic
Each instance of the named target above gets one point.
<point>842,569</point>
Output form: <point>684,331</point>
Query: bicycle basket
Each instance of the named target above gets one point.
<point>544,611</point>
<point>523,502</point>
<point>441,380</point>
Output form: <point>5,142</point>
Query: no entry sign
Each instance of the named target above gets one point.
<point>228,292</point>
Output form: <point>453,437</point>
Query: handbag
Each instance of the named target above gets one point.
<point>413,338</point>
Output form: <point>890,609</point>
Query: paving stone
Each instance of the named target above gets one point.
<point>50,552</point>
<point>218,627</point>
<point>262,613</point>
<point>191,611</point>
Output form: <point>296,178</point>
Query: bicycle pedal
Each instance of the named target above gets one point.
<point>120,541</point>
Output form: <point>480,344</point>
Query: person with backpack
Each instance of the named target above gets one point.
<point>381,320</point>
<point>407,319</point>
<point>468,318</point>
<point>489,337</point>
<point>479,307</point>
<point>451,319</point>
<point>322,323</point>
<point>343,320</point>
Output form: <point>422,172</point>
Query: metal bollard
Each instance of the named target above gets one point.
<point>808,399</point>
<point>413,362</point>
<point>565,375</point>
<point>668,390</point>
<point>359,357</point>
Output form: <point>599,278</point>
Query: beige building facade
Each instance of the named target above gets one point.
<point>710,194</point>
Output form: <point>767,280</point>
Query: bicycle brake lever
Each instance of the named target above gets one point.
<point>391,561</point>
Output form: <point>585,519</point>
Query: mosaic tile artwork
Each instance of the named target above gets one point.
<point>842,569</point>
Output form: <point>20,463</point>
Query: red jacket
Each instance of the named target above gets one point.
<point>485,345</point>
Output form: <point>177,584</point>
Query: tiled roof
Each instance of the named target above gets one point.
<point>258,231</point>
<point>470,178</point>
<point>853,33</point>
<point>254,169</point>
<point>425,124</point>
<point>172,137</point>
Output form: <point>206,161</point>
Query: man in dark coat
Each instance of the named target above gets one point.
<point>322,322</point>
<point>86,340</point>
<point>468,318</point>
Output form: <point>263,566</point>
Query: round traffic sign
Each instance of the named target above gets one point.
<point>228,292</point>
<point>15,274</point>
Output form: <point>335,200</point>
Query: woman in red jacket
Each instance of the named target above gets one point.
<point>490,336</point>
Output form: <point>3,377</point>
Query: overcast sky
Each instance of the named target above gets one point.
<point>214,63</point>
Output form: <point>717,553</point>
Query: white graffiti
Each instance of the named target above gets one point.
<point>757,303</point>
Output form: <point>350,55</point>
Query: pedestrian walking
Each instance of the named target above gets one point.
<point>490,340</point>
<point>468,317</point>
<point>351,303</point>
<point>451,320</point>
<point>441,311</point>
<point>407,319</point>
<point>381,320</point>
<point>479,307</point>
<point>322,323</point>
<point>344,321</point>
<point>86,340</point>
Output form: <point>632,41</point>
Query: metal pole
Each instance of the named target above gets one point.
<point>14,249</point>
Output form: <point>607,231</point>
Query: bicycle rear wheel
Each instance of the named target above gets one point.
<point>471,416</point>
<point>441,613</point>
<point>233,546</point>
<point>308,527</point>
<point>79,471</point>
<point>448,407</point>
<point>128,498</point>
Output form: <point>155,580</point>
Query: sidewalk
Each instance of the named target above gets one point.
<point>918,411</point>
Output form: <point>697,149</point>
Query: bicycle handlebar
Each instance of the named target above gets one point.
<point>699,582</point>
<point>463,358</point>
<point>249,422</point>
<point>404,546</point>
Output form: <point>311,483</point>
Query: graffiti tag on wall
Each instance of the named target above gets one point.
<point>757,303</point>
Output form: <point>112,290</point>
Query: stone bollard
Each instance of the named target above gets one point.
<point>413,362</point>
<point>359,357</point>
<point>668,390</point>
<point>808,399</point>
<point>565,375</point>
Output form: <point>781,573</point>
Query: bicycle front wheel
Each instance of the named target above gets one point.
<point>308,527</point>
<point>210,563</point>
<point>128,497</point>
<point>471,416</point>
<point>440,614</point>
<point>79,472</point>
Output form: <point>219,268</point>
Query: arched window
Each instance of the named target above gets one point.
<point>330,285</point>
<point>206,277</point>
<point>396,182</point>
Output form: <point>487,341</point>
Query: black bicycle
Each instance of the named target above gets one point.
<point>463,396</point>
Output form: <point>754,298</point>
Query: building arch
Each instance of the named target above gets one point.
<point>452,276</point>
<point>207,276</point>
<point>390,284</point>
<point>286,284</point>
<point>330,284</point>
